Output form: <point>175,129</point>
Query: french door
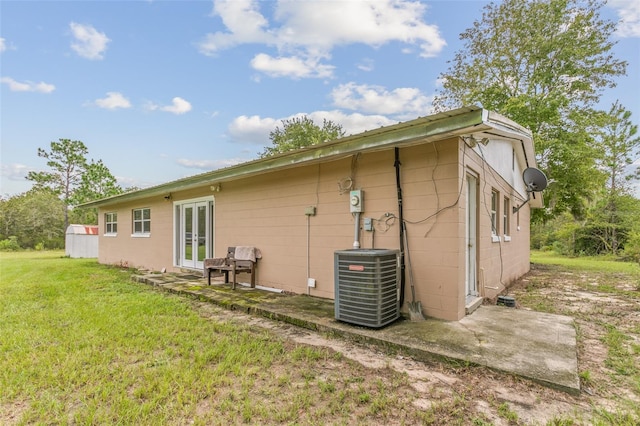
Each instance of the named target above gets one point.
<point>195,236</point>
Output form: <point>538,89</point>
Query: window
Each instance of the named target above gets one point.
<point>111,223</point>
<point>506,212</point>
<point>141,221</point>
<point>494,212</point>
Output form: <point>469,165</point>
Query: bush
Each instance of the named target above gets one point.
<point>632,246</point>
<point>10,244</point>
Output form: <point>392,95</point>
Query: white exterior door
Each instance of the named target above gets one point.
<point>195,233</point>
<point>471,281</point>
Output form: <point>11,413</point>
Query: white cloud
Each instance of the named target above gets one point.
<point>252,129</point>
<point>256,129</point>
<point>305,33</point>
<point>27,86</point>
<point>178,106</point>
<point>291,67</point>
<point>114,100</point>
<point>629,13</point>
<point>378,100</point>
<point>321,25</point>
<point>15,171</point>
<point>4,45</point>
<point>244,22</point>
<point>89,42</point>
<point>352,123</point>
<point>366,65</point>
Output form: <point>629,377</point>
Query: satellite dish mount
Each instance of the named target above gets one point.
<point>535,181</point>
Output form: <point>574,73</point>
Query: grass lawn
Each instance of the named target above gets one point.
<point>597,264</point>
<point>81,344</point>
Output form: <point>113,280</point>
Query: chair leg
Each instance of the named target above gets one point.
<point>209,276</point>
<point>233,287</point>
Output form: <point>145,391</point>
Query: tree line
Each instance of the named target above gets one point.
<point>544,64</point>
<point>39,217</point>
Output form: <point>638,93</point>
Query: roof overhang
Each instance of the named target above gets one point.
<point>454,123</point>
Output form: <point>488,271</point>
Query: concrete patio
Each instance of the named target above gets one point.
<point>534,345</point>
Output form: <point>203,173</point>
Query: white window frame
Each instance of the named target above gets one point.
<point>495,207</point>
<point>111,224</point>
<point>142,221</point>
<point>506,220</point>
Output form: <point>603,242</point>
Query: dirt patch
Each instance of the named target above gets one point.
<point>603,305</point>
<point>597,302</point>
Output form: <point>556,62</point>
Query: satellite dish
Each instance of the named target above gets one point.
<point>535,181</point>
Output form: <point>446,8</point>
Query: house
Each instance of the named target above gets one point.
<point>460,174</point>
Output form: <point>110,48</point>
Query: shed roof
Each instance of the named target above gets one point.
<point>82,230</point>
<point>459,122</point>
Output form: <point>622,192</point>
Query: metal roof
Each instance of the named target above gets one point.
<point>459,122</point>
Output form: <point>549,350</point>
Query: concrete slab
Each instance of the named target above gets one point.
<point>534,345</point>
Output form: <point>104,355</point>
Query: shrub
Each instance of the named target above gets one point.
<point>632,246</point>
<point>10,244</point>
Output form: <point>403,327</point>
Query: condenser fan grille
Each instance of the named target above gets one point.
<point>366,286</point>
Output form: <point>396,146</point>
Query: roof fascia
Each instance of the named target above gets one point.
<point>462,121</point>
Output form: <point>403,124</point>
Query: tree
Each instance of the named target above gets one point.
<point>96,182</point>
<point>619,144</point>
<point>609,224</point>
<point>544,64</point>
<point>67,162</point>
<point>72,178</point>
<point>34,218</point>
<point>299,132</point>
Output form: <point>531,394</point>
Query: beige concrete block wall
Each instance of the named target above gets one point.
<point>500,262</point>
<point>268,212</point>
<point>153,252</point>
<point>430,185</point>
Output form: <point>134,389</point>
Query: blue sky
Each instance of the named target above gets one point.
<point>160,90</point>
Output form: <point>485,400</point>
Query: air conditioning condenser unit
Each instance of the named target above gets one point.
<point>367,286</point>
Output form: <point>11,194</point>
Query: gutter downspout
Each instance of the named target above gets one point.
<point>308,253</point>
<point>397,164</point>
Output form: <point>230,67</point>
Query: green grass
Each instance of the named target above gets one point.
<point>607,270</point>
<point>586,263</point>
<point>81,344</point>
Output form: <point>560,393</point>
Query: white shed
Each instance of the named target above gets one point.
<point>81,241</point>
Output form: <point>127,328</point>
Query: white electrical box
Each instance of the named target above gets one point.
<point>356,201</point>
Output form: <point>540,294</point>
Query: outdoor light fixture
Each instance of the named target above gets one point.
<point>472,141</point>
<point>216,187</point>
<point>168,197</point>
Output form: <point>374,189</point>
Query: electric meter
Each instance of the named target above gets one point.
<point>356,201</point>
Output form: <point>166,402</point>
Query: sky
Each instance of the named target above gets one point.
<point>161,90</point>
